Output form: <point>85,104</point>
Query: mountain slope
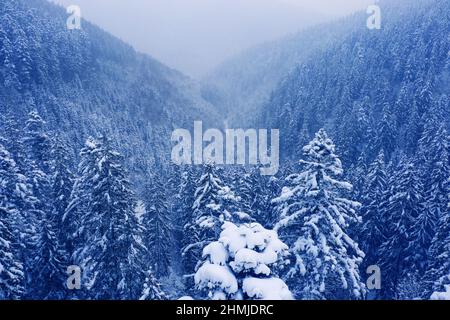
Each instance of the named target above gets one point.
<point>86,82</point>
<point>244,82</point>
<point>373,91</point>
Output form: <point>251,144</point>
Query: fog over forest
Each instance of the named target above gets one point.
<point>194,36</point>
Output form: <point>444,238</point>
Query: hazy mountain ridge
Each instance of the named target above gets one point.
<point>139,230</point>
<point>88,81</point>
<point>397,76</point>
<point>244,83</point>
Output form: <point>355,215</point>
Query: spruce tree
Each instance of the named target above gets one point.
<point>439,254</point>
<point>397,255</point>
<point>184,232</point>
<point>214,203</point>
<point>159,233</point>
<point>254,196</point>
<point>38,164</point>
<point>109,246</point>
<point>8,73</point>
<point>314,218</point>
<point>152,288</point>
<point>386,138</point>
<point>62,185</point>
<point>372,231</point>
<point>49,278</point>
<point>243,264</point>
<point>12,278</point>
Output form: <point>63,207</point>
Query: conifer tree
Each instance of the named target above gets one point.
<point>158,225</point>
<point>404,207</point>
<point>109,246</point>
<point>152,288</point>
<point>314,218</point>
<point>438,255</point>
<point>40,250</point>
<point>49,276</point>
<point>214,203</point>
<point>12,278</point>
<point>372,231</point>
<point>184,231</point>
<point>62,185</point>
<point>243,264</point>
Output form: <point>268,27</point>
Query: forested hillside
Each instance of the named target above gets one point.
<point>85,82</point>
<point>58,89</point>
<point>87,186</point>
<point>383,96</point>
<point>376,89</point>
<point>243,83</point>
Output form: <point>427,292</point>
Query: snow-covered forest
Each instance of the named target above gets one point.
<point>87,184</point>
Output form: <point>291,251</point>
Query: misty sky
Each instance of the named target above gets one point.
<point>194,36</point>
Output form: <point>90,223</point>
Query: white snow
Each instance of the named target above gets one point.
<point>217,253</point>
<point>139,210</point>
<point>442,295</point>
<point>266,289</point>
<point>216,276</point>
<point>90,143</point>
<point>245,251</point>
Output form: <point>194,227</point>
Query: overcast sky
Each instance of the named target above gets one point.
<point>194,36</point>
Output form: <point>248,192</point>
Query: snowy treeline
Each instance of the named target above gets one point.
<point>53,217</point>
<point>85,178</point>
<point>383,97</point>
<point>206,231</point>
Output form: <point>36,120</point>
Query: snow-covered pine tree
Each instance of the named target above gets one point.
<point>8,73</point>
<point>38,165</point>
<point>20,192</point>
<point>38,142</point>
<point>22,58</point>
<point>243,264</point>
<point>12,279</point>
<point>152,288</point>
<point>273,190</point>
<point>255,196</point>
<point>184,232</point>
<point>357,175</point>
<point>397,254</point>
<point>434,152</point>
<point>12,137</point>
<point>109,248</point>
<point>158,225</point>
<point>11,272</point>
<point>214,203</point>
<point>314,217</point>
<point>386,132</point>
<point>49,277</point>
<point>47,259</point>
<point>371,233</point>
<point>354,130</point>
<point>438,269</point>
<point>411,133</point>
<point>80,197</point>
<point>62,185</point>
